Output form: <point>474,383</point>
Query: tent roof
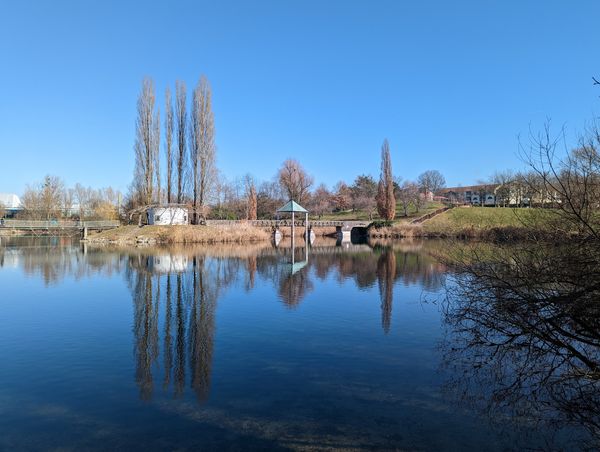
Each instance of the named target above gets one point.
<point>292,206</point>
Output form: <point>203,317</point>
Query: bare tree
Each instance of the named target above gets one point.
<point>82,197</point>
<point>386,203</point>
<point>503,181</point>
<point>44,201</point>
<point>146,144</point>
<point>321,201</point>
<point>68,195</point>
<point>268,199</point>
<point>294,180</point>
<point>169,143</point>
<point>431,181</point>
<point>2,210</point>
<point>202,149</point>
<point>156,150</point>
<point>408,194</point>
<point>181,122</point>
<point>571,184</point>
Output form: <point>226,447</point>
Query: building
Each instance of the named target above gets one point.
<point>167,215</point>
<point>474,194</point>
<point>11,203</point>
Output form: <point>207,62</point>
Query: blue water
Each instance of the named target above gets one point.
<point>227,348</point>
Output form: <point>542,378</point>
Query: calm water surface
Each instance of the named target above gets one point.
<point>234,347</point>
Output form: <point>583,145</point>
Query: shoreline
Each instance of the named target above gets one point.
<point>189,234</point>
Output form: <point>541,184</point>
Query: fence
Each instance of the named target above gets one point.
<point>59,224</point>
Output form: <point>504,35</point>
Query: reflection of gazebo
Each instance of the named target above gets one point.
<point>293,207</point>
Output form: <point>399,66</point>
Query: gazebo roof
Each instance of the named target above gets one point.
<point>292,206</point>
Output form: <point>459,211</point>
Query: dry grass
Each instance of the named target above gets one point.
<point>181,234</point>
<point>397,231</point>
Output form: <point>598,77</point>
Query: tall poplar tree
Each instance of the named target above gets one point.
<point>202,146</point>
<point>169,143</point>
<point>146,143</point>
<point>181,122</point>
<point>386,202</point>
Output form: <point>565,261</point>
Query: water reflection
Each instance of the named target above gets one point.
<point>54,258</point>
<point>179,293</point>
<point>339,340</point>
<point>524,338</point>
<point>175,290</point>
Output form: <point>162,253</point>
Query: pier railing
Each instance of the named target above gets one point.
<point>59,224</point>
<point>287,223</point>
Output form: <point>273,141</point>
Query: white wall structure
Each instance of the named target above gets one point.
<point>167,215</point>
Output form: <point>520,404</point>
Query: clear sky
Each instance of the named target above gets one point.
<point>451,84</point>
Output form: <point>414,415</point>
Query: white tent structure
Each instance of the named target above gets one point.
<point>10,201</point>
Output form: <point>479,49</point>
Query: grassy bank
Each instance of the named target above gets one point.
<point>364,216</point>
<point>485,223</point>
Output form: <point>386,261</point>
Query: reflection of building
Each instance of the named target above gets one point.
<point>168,263</point>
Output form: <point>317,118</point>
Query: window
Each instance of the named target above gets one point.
<point>157,218</point>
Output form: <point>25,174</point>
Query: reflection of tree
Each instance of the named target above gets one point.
<point>146,333</point>
<point>251,272</point>
<point>188,322</point>
<point>202,329</point>
<point>54,258</point>
<point>525,334</point>
<point>386,273</point>
<point>294,287</point>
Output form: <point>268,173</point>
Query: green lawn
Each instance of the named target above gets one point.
<point>482,218</point>
<point>361,215</point>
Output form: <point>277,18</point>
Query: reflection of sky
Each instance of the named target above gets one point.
<point>322,373</point>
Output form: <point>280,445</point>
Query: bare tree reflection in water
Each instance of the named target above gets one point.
<point>175,292</point>
<point>524,335</point>
<point>187,318</point>
<point>251,272</point>
<point>202,329</point>
<point>55,258</point>
<point>168,339</point>
<point>179,371</point>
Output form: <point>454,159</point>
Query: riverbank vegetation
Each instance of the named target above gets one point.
<point>184,234</point>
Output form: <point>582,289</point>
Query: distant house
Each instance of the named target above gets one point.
<point>167,215</point>
<point>474,194</point>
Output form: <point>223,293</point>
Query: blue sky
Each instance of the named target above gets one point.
<point>450,84</point>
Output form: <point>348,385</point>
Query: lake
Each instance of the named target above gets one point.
<point>334,346</point>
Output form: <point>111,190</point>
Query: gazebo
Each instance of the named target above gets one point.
<point>293,207</point>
